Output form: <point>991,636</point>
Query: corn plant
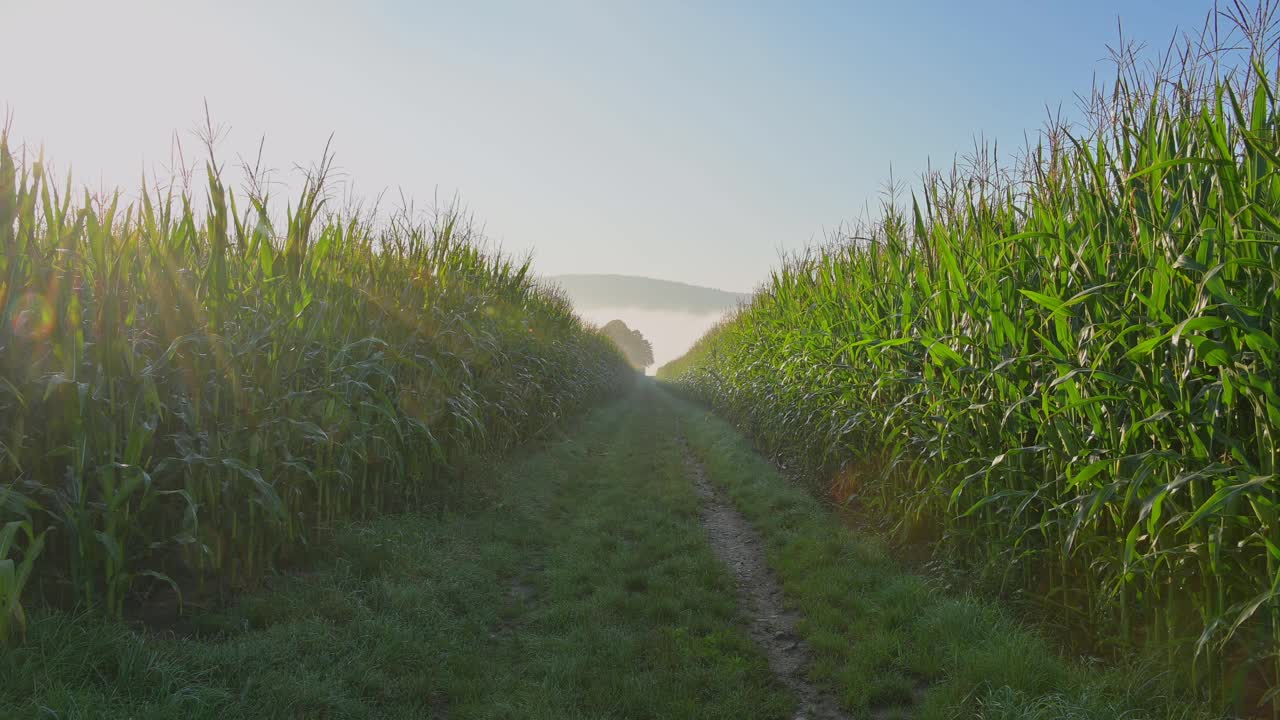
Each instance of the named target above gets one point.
<point>192,387</point>
<point>1064,371</point>
<point>14,575</point>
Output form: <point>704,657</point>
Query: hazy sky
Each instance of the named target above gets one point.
<point>682,140</point>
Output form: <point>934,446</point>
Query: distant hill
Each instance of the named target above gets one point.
<point>630,291</point>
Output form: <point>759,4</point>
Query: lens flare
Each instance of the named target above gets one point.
<point>33,317</point>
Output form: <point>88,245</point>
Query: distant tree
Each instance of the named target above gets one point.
<point>634,346</point>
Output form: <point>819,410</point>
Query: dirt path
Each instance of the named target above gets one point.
<point>772,624</point>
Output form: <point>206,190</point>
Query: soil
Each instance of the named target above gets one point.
<point>771,623</point>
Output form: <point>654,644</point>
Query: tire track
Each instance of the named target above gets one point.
<point>772,625</point>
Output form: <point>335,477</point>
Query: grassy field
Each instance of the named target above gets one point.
<point>1061,372</point>
<point>572,581</point>
<point>194,389</point>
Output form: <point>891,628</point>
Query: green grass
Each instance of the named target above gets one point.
<point>1063,374</point>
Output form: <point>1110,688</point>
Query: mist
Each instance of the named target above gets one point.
<point>670,332</point>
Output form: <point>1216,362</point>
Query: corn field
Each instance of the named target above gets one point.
<point>191,388</point>
<point>1063,369</point>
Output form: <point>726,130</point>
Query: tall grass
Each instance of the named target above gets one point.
<point>1065,370</point>
<point>189,390</point>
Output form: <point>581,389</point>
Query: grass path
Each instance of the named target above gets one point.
<point>576,580</point>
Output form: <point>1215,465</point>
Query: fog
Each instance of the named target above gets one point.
<point>670,332</point>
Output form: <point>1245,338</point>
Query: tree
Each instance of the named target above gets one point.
<point>634,346</point>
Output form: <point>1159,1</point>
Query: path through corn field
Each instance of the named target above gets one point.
<point>643,563</point>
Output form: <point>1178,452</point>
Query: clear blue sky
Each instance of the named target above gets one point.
<point>683,140</point>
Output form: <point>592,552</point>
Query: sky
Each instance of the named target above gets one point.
<point>689,141</point>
